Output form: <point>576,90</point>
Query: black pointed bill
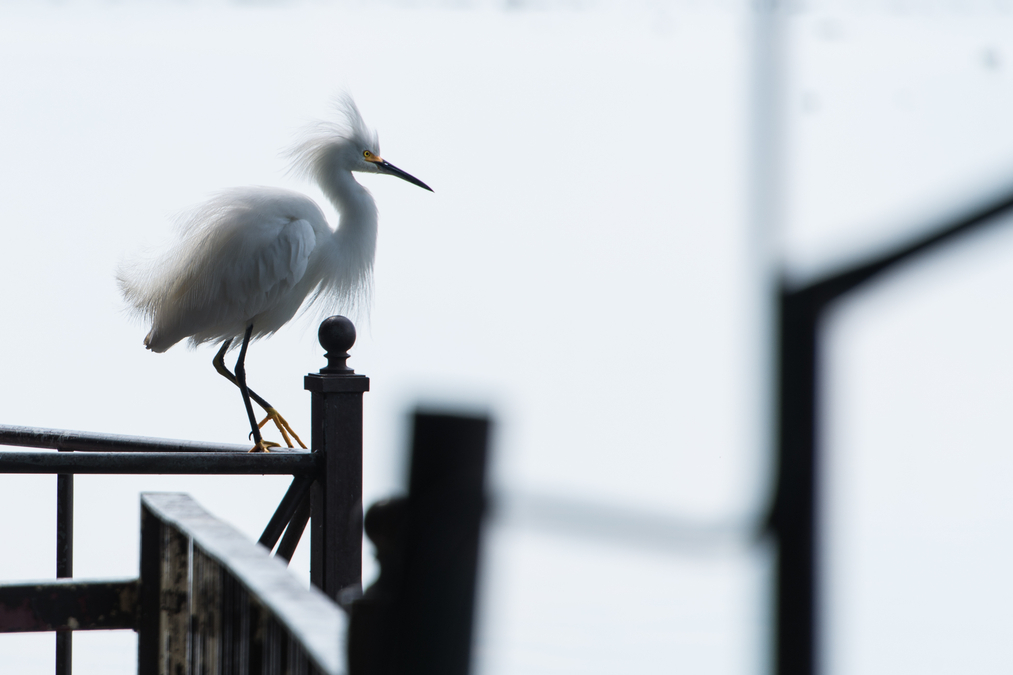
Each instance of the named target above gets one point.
<point>386,167</point>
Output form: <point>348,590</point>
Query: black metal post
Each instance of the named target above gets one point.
<point>336,496</point>
<point>64,561</point>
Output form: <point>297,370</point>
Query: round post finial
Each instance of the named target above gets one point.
<point>336,335</point>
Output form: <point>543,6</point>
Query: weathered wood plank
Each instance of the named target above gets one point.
<point>174,603</point>
<point>68,604</point>
<point>273,595</point>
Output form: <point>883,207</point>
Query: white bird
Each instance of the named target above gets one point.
<point>245,261</point>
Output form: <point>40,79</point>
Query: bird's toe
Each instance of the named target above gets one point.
<point>263,446</point>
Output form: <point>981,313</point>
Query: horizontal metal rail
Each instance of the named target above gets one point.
<point>84,441</point>
<point>631,526</point>
<point>234,463</point>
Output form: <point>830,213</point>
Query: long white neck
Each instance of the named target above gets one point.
<point>357,225</point>
<point>353,244</point>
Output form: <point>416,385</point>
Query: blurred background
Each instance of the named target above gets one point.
<point>619,187</point>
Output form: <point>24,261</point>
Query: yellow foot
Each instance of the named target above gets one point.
<point>263,446</point>
<point>283,427</point>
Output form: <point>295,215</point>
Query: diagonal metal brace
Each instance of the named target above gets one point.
<point>286,509</point>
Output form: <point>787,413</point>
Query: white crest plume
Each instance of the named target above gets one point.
<point>323,138</point>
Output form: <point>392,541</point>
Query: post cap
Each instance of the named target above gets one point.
<point>336,335</point>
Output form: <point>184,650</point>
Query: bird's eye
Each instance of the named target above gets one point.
<point>367,154</point>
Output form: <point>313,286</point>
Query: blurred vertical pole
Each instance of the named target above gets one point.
<point>765,201</point>
<point>786,326</point>
<point>794,517</point>
<point>446,496</point>
<point>336,496</point>
<point>64,561</point>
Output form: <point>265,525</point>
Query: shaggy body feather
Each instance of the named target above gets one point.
<point>252,256</point>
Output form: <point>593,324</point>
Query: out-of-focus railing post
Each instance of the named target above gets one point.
<point>794,518</point>
<point>336,497</point>
<point>64,561</point>
<point>417,617</point>
<point>446,500</point>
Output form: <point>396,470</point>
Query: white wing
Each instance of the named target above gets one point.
<point>240,256</point>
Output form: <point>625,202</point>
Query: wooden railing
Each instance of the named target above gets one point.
<point>208,601</point>
<point>214,603</point>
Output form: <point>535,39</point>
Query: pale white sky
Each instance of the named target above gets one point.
<point>583,271</point>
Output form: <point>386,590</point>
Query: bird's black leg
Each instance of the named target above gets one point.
<point>219,364</point>
<point>287,432</point>
<point>259,444</point>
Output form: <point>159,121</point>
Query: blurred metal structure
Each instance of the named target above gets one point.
<point>794,516</point>
<point>326,487</point>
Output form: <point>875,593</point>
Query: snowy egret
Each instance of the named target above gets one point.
<point>247,260</point>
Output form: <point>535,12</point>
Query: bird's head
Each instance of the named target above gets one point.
<point>348,145</point>
<point>376,164</point>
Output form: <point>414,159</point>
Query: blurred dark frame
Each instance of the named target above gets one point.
<point>793,521</point>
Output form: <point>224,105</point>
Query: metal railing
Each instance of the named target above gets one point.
<point>326,491</point>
